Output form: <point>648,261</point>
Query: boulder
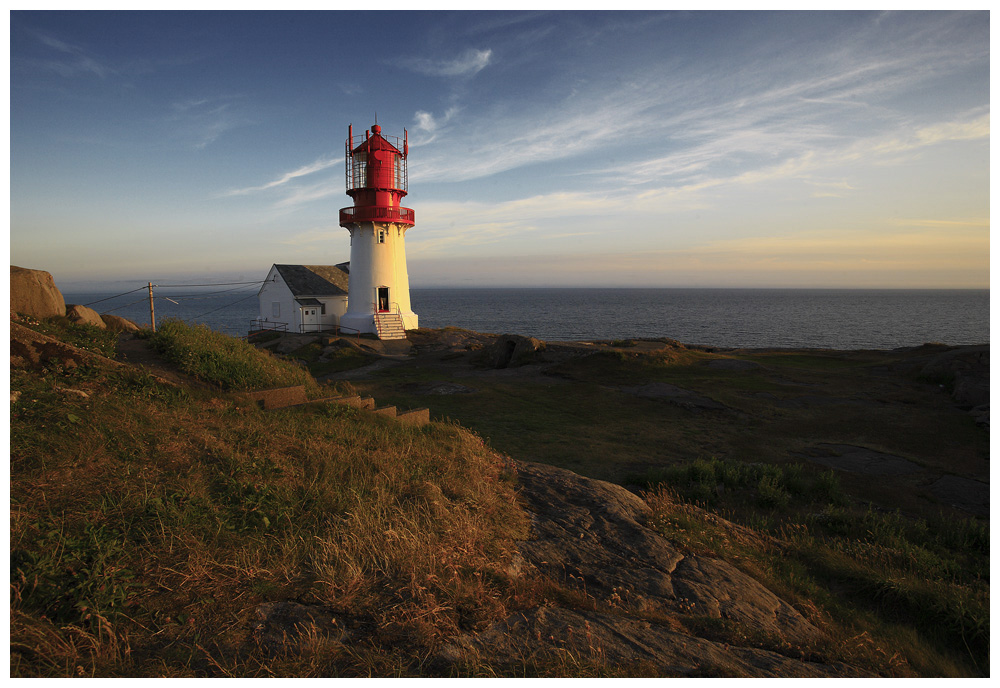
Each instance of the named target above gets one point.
<point>972,389</point>
<point>968,370</point>
<point>118,323</point>
<point>83,315</point>
<point>511,351</point>
<point>34,293</point>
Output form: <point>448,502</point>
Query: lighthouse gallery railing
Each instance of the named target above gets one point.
<point>376,213</point>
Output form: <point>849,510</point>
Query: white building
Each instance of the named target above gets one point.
<point>303,298</point>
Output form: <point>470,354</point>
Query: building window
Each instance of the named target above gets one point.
<point>275,309</point>
<point>322,309</point>
<point>381,236</point>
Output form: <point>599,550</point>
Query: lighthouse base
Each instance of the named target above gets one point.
<point>389,322</point>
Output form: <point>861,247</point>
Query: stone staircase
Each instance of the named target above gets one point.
<point>390,326</point>
<point>287,397</point>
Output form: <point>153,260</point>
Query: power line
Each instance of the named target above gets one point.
<point>127,304</point>
<point>214,284</point>
<point>221,307</point>
<point>202,295</point>
<point>115,296</point>
<point>172,286</point>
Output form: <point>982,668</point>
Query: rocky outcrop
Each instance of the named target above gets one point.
<point>684,398</point>
<point>84,315</point>
<point>969,370</point>
<point>964,370</point>
<point>846,457</point>
<point>511,351</point>
<point>34,293</point>
<point>553,634</point>
<point>30,349</point>
<point>592,534</point>
<point>118,324</point>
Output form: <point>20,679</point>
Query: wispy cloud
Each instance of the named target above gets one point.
<point>301,195</point>
<point>681,132</point>
<point>203,121</point>
<point>982,223</point>
<point>470,62</point>
<point>317,166</point>
<point>74,61</point>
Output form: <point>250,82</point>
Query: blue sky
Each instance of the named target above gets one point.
<point>808,149</point>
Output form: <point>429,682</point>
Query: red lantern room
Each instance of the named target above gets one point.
<point>376,178</point>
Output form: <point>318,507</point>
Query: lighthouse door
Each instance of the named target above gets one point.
<point>383,299</point>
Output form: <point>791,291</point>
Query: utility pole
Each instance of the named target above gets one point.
<point>152,318</point>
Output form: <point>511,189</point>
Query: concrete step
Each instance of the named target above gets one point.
<point>420,416</point>
<point>355,401</point>
<point>288,397</point>
<point>279,397</point>
<point>390,326</point>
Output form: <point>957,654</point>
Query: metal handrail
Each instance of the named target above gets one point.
<point>278,326</point>
<point>358,332</point>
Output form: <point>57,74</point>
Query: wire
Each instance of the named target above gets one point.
<point>116,296</point>
<point>214,284</point>
<point>221,307</point>
<point>126,305</point>
<point>202,295</point>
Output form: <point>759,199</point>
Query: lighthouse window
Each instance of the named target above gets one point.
<point>381,236</point>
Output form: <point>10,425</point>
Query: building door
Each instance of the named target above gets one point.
<point>383,299</point>
<point>310,319</point>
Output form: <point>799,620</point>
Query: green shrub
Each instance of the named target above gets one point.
<point>223,360</point>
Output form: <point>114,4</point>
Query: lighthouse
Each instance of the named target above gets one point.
<point>378,294</point>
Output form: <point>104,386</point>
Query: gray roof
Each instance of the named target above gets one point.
<point>315,280</point>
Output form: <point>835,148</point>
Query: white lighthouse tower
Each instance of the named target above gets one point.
<point>378,293</point>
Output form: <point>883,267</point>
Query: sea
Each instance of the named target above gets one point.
<point>740,318</point>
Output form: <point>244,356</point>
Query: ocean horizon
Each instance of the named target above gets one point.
<point>722,317</point>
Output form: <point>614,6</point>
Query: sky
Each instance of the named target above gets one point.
<point>558,148</point>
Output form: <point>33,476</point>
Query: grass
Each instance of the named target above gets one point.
<point>85,336</point>
<point>149,521</point>
<point>913,590</point>
<point>918,586</point>
<point>225,361</point>
<point>580,415</point>
<point>320,361</point>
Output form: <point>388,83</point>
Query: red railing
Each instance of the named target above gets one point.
<point>377,213</point>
